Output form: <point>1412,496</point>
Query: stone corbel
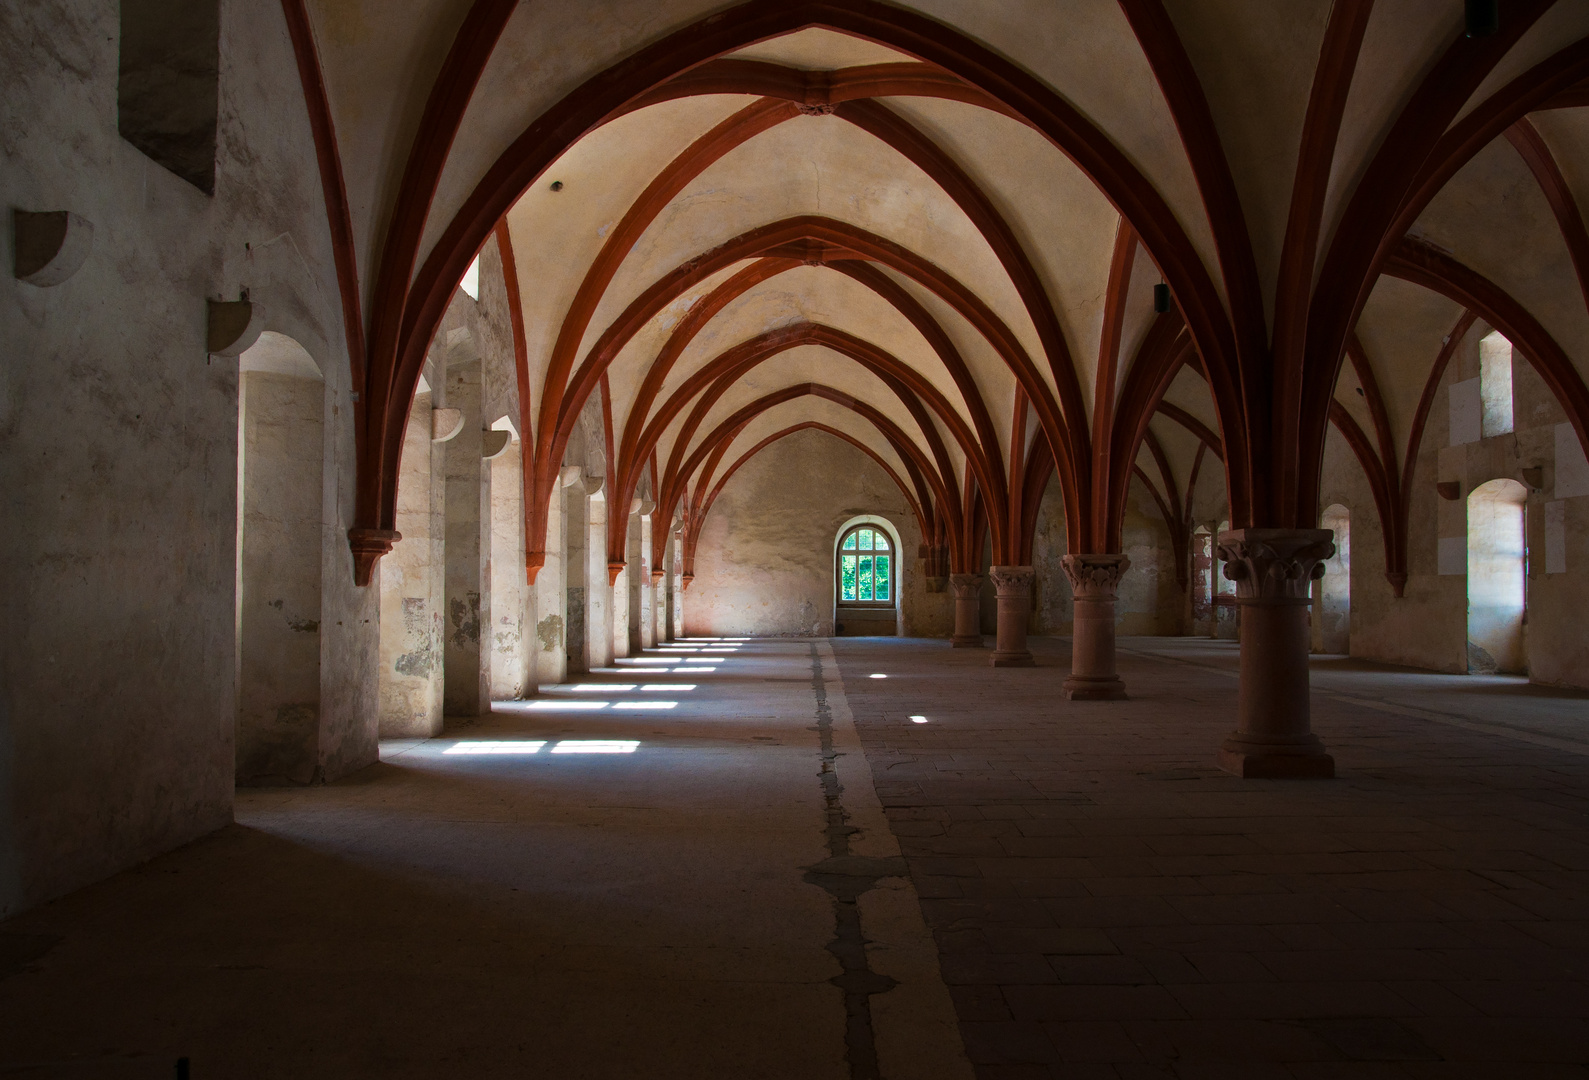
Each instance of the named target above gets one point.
<point>234,326</point>
<point>369,545</point>
<point>657,576</point>
<point>445,424</point>
<point>50,246</point>
<point>641,506</point>
<point>570,475</point>
<point>494,443</point>
<point>684,581</point>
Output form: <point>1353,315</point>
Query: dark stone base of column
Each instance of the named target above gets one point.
<point>1279,758</point>
<point>970,641</point>
<point>1085,688</point>
<point>1012,659</point>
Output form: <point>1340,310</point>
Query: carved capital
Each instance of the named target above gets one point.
<point>657,576</point>
<point>369,545</point>
<point>684,582</point>
<point>1095,576</point>
<point>966,585</point>
<point>1011,581</point>
<point>1275,567</point>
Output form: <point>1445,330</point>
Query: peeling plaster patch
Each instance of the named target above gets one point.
<point>466,621</point>
<point>550,631</point>
<point>418,663</point>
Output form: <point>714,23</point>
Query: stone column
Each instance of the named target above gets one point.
<point>968,610</point>
<point>648,587</point>
<point>1013,585</point>
<point>1095,582</point>
<point>598,587</point>
<point>659,606</point>
<point>1273,569</point>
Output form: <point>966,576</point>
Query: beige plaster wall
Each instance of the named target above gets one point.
<point>1149,601</point>
<point>118,451</point>
<point>1428,627</point>
<point>764,563</point>
<point>278,712</point>
<point>410,581</point>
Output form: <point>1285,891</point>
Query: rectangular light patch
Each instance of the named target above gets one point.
<point>500,746</point>
<point>596,746</point>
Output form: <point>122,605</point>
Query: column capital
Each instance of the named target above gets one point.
<point>1275,567</point>
<point>1011,580</point>
<point>1095,575</point>
<point>966,584</point>
<point>657,576</point>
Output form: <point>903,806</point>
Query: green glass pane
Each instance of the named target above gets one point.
<point>882,577</point>
<point>866,577</point>
<point>880,542</point>
<point>847,578</point>
<point>866,539</point>
<point>849,542</point>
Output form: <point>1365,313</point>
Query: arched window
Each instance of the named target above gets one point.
<point>866,567</point>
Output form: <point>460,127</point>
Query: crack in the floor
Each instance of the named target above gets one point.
<point>846,877</point>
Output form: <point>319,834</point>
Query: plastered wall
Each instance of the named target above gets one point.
<point>764,563</point>
<point>119,444</point>
<point>1428,626</point>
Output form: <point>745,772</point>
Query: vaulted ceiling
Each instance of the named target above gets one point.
<point>935,229</point>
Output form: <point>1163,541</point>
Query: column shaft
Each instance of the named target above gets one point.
<point>1273,569</point>
<point>1013,585</point>
<point>1095,582</point>
<point>968,614</point>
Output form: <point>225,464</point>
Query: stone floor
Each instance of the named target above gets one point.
<point>600,884</point>
<point>1107,904</point>
<point>634,877</point>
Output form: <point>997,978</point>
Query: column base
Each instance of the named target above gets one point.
<point>967,641</point>
<point>1279,757</point>
<point>1012,659</point>
<point>1089,688</point>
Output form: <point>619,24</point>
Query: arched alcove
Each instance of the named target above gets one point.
<point>1202,582</point>
<point>1497,577</point>
<point>1332,594</point>
<point>860,609</point>
<point>1227,615</point>
<point>280,462</point>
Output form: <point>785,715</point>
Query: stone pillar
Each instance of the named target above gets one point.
<point>466,690</point>
<point>1273,569</point>
<point>1095,582</point>
<point>1013,585</point>
<point>968,610</point>
<point>659,606</point>
<point>648,588</point>
<point>618,574</point>
<point>598,587</point>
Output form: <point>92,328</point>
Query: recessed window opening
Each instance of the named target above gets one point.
<point>1332,594</point>
<point>471,279</point>
<point>866,567</point>
<point>1497,578</point>
<point>1495,383</point>
<point>168,84</point>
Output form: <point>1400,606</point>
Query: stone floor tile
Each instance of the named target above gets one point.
<point>1102,970</point>
<point>995,969</point>
<point>1007,1042</point>
<point>973,1002</point>
<point>1092,1003</point>
<point>1092,1040</point>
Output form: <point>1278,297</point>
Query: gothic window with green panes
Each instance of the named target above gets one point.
<point>866,567</point>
